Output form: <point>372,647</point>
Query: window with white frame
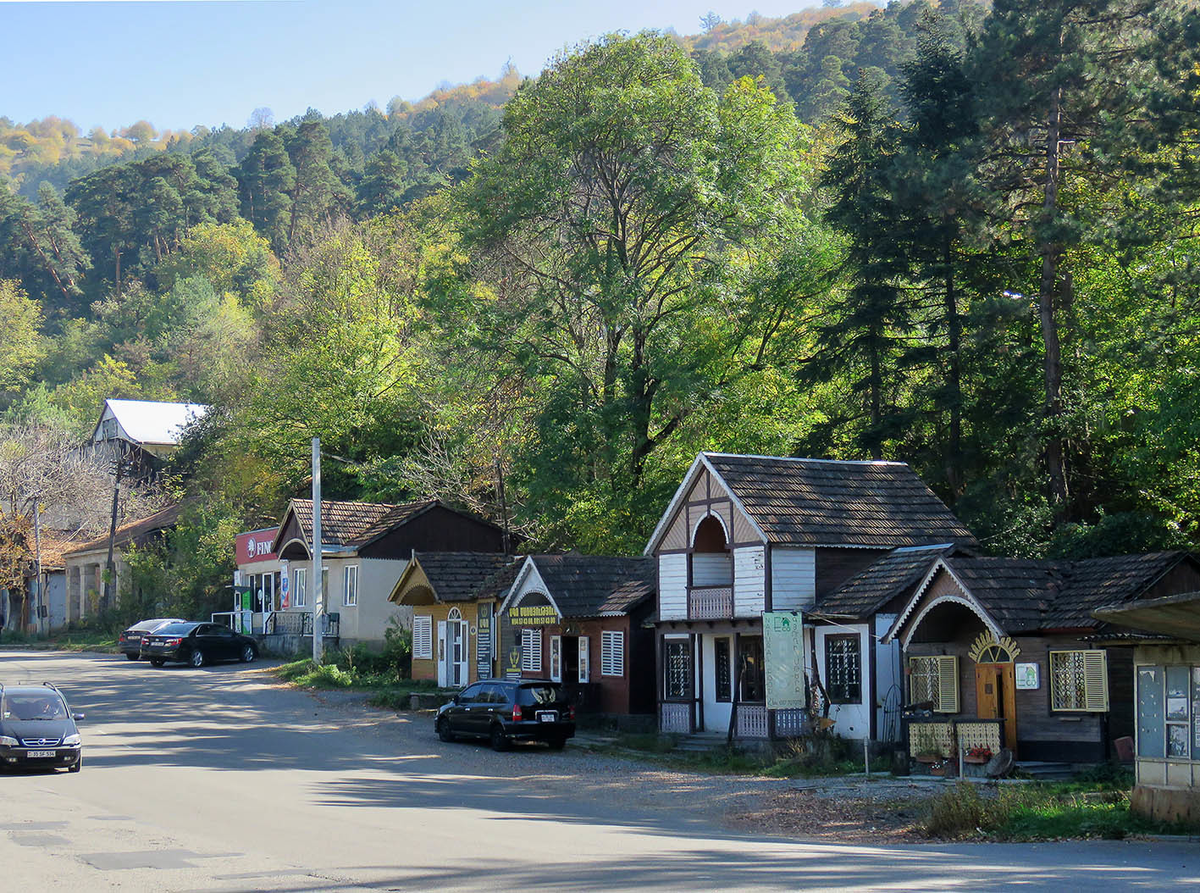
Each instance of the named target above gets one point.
<point>531,650</point>
<point>612,653</point>
<point>350,585</point>
<point>1079,681</point>
<point>300,582</point>
<point>934,680</point>
<point>843,668</point>
<point>556,658</point>
<point>423,637</point>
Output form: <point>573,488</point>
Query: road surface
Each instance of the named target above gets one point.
<point>220,779</point>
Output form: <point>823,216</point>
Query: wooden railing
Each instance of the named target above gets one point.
<point>751,721</point>
<point>790,723</point>
<point>675,718</point>
<point>710,602</point>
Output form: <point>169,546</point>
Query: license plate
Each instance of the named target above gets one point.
<point>41,754</point>
<point>547,716</point>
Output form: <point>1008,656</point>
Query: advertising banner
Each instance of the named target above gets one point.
<point>255,545</point>
<point>533,615</point>
<point>483,642</point>
<point>783,654</point>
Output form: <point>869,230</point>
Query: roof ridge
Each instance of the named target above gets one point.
<point>806,459</point>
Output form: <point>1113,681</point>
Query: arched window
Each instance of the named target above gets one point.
<point>454,614</point>
<point>712,563</point>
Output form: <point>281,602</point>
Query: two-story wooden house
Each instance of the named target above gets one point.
<point>748,537</point>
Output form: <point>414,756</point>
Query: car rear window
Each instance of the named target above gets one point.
<point>176,629</point>
<point>538,694</point>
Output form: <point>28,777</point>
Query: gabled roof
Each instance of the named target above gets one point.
<point>152,421</point>
<point>351,525</point>
<point>1021,595</point>
<point>867,592</point>
<point>135,532</point>
<point>825,502</point>
<point>461,576</point>
<point>584,586</point>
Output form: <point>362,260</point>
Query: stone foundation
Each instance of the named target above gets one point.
<point>1167,804</point>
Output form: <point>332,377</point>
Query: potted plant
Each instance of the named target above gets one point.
<point>979,754</point>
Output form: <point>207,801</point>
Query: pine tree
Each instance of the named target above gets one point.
<point>267,178</point>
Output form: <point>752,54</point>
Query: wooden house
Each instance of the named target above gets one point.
<point>746,550</point>
<point>581,620</point>
<point>365,548</point>
<point>1006,653</point>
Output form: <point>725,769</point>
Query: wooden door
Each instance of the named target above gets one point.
<point>995,698</point>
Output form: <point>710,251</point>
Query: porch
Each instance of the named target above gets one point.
<point>753,721</point>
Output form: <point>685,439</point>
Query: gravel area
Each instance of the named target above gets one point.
<point>855,809</point>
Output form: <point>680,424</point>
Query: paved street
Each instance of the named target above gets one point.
<point>219,779</point>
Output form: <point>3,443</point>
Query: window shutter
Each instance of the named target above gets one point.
<point>947,674</point>
<point>1095,674</point>
<point>423,637</point>
<point>612,653</point>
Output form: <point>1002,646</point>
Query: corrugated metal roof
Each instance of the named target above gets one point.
<point>155,422</point>
<point>825,502</point>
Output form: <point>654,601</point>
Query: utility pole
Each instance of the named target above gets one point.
<point>503,506</point>
<point>318,609</point>
<point>37,565</point>
<point>109,571</point>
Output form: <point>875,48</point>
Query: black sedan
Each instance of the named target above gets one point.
<point>507,710</point>
<point>37,729</point>
<point>197,644</point>
<point>129,642</point>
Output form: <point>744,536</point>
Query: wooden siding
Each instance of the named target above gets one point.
<point>712,569</point>
<point>749,579</point>
<point>1184,577</point>
<point>833,567</point>
<point>672,586</point>
<point>427,669</point>
<point>437,530</point>
<point>793,579</point>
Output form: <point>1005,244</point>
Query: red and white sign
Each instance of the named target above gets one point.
<point>255,545</point>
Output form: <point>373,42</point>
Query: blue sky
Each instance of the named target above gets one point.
<point>177,64</point>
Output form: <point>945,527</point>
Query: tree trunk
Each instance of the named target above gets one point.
<point>876,385</point>
<point>1052,255</point>
<point>954,474</point>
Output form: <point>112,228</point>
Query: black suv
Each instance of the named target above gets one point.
<point>37,729</point>
<point>507,710</point>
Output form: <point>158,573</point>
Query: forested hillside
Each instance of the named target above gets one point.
<point>957,235</point>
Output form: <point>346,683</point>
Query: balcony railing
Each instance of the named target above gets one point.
<point>710,602</point>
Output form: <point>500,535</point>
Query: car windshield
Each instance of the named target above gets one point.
<point>537,694</point>
<point>26,707</point>
<point>176,629</point>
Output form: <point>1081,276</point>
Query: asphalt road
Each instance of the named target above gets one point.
<point>219,779</point>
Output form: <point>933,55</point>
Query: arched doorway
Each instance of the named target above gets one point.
<point>996,682</point>
<point>454,648</point>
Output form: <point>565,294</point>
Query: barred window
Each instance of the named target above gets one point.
<point>843,669</point>
<point>677,667</point>
<point>423,637</point>
<point>531,650</point>
<point>724,678</point>
<point>612,653</point>
<point>934,680</point>
<point>1079,681</point>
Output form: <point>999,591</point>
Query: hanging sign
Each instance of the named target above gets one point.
<point>783,655</point>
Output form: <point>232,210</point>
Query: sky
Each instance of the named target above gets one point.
<point>179,64</point>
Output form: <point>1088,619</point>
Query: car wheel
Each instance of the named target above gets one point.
<point>129,656</point>
<point>443,729</point>
<point>77,765</point>
<point>557,743</point>
<point>498,739</point>
<point>248,654</point>
<point>155,662</point>
<point>197,658</point>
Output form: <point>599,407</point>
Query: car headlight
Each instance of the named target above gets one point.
<point>5,741</point>
<point>72,740</point>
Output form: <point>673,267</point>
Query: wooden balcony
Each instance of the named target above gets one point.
<point>710,603</point>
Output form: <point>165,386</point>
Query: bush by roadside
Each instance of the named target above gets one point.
<point>363,671</point>
<point>98,640</point>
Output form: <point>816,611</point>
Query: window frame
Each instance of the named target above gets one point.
<point>585,658</point>
<point>688,692</point>
<point>300,587</point>
<point>1091,702</point>
<point>426,640</point>
<point>556,656</point>
<point>939,663</point>
<point>612,653</point>
<point>531,656</point>
<point>349,594</point>
<point>723,688</point>
<point>843,697</point>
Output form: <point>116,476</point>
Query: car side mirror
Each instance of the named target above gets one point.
<point>78,716</point>
<point>454,700</point>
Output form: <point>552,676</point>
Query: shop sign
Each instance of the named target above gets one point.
<point>483,641</point>
<point>783,654</point>
<point>512,666</point>
<point>533,615</point>
<point>255,545</point>
<point>1027,676</point>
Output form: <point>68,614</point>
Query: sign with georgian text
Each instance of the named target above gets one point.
<point>783,656</point>
<point>483,641</point>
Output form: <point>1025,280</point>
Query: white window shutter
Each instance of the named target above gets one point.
<point>947,670</point>
<point>1095,674</point>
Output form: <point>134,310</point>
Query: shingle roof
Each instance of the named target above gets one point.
<point>1098,582</point>
<point>870,590</point>
<point>352,525</point>
<point>132,532</point>
<point>821,502</point>
<point>466,576</point>
<point>597,585</point>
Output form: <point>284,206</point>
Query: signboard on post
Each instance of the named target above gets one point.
<point>483,642</point>
<point>783,655</point>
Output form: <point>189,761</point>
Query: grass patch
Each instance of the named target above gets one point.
<point>811,758</point>
<point>387,688</point>
<point>77,640</point>
<point>1084,808</point>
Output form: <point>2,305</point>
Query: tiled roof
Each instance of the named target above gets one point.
<point>352,525</point>
<point>133,532</point>
<point>466,576</point>
<point>867,592</point>
<point>820,502</point>
<point>597,585</point>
